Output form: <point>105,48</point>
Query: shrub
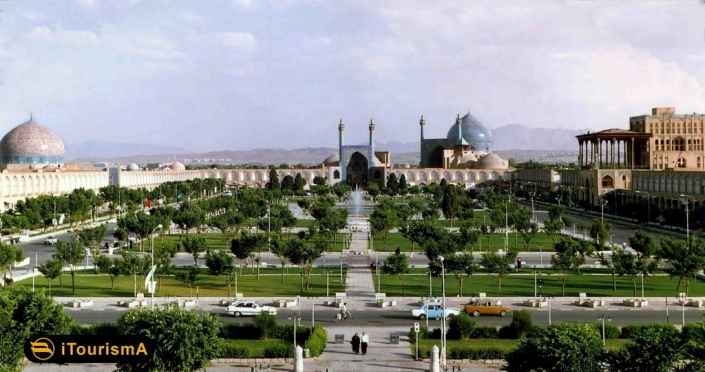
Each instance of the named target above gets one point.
<point>279,351</point>
<point>611,330</point>
<point>266,323</point>
<point>435,334</point>
<point>287,332</point>
<point>460,326</point>
<point>316,343</point>
<point>477,353</point>
<point>484,332</point>
<point>234,351</point>
<point>567,347</point>
<point>520,325</point>
<point>632,331</point>
<point>241,331</point>
<point>423,333</point>
<point>693,331</point>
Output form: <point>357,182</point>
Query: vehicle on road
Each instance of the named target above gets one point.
<point>249,308</point>
<point>477,308</point>
<point>51,240</point>
<point>433,311</point>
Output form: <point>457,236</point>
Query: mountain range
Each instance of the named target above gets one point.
<point>513,141</point>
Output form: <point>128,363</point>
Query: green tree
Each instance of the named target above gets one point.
<point>657,349</point>
<point>570,255</point>
<point>51,270</point>
<point>647,251</point>
<point>9,255</point>
<point>685,261</point>
<point>134,264</point>
<point>185,340</point>
<point>120,234</point>
<point>392,184</point>
<point>599,232</point>
<point>273,183</point>
<point>278,247</point>
<point>303,254</point>
<point>104,265</point>
<point>403,185</point>
<point>188,276</point>
<point>245,246</point>
<point>218,262</point>
<point>499,264</point>
<point>70,253</point>
<point>462,266</point>
<point>193,244</point>
<point>396,264</point>
<point>563,348</point>
<point>25,315</point>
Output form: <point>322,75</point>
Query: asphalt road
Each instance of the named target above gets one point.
<point>327,316</point>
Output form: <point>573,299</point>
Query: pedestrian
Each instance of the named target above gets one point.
<point>355,343</point>
<point>365,341</point>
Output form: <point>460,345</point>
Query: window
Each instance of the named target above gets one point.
<point>607,182</point>
<point>681,163</point>
<point>336,174</point>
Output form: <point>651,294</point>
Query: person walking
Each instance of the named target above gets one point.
<point>355,343</point>
<point>365,340</point>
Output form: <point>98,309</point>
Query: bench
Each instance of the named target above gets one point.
<point>636,302</point>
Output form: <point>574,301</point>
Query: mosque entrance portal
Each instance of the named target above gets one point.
<point>357,170</point>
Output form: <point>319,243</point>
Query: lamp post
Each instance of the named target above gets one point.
<point>603,202</point>
<point>604,336</point>
<point>686,202</point>
<point>151,238</point>
<point>443,313</point>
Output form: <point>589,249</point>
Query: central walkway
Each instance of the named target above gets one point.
<point>359,283</point>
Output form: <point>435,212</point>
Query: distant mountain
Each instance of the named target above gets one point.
<point>520,137</point>
<point>105,151</point>
<point>513,141</point>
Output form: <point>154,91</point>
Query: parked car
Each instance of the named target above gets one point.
<point>51,240</point>
<point>249,308</point>
<point>433,311</point>
<point>477,308</point>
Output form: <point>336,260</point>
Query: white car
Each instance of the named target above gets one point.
<point>433,311</point>
<point>52,240</point>
<point>249,308</point>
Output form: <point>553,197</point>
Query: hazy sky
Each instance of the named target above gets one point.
<point>238,74</point>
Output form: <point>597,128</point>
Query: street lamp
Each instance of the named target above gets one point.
<point>443,313</point>
<point>151,238</point>
<point>603,202</point>
<point>604,337</point>
<point>295,320</point>
<point>686,202</point>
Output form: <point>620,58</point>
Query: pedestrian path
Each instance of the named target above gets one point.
<point>359,283</point>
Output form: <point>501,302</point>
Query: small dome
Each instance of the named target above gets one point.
<point>332,161</point>
<point>177,166</point>
<point>133,167</point>
<point>474,133</point>
<point>31,143</point>
<point>492,161</point>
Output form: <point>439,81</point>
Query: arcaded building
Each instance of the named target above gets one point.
<point>660,157</point>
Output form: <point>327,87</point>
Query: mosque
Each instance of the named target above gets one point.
<point>32,163</point>
<point>463,157</point>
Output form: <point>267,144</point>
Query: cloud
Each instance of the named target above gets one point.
<point>87,3</point>
<point>237,40</point>
<point>76,38</point>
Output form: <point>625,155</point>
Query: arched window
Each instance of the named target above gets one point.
<point>336,174</point>
<point>607,182</point>
<point>681,163</point>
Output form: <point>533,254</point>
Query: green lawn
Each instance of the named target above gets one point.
<point>221,241</point>
<point>488,242</point>
<point>269,284</point>
<point>255,348</point>
<point>503,345</point>
<point>414,285</point>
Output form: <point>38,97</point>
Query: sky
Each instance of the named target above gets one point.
<point>242,74</point>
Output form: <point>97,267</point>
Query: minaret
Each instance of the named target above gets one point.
<point>461,141</point>
<point>422,123</point>
<point>341,126</point>
<point>371,148</point>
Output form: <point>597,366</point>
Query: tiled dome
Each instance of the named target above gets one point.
<point>177,166</point>
<point>474,133</point>
<point>31,143</point>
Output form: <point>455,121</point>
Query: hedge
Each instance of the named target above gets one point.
<point>631,330</point>
<point>611,330</point>
<point>316,343</point>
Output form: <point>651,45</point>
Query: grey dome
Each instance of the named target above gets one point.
<point>133,167</point>
<point>474,133</point>
<point>332,160</point>
<point>31,143</point>
<point>177,166</point>
<point>492,161</point>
